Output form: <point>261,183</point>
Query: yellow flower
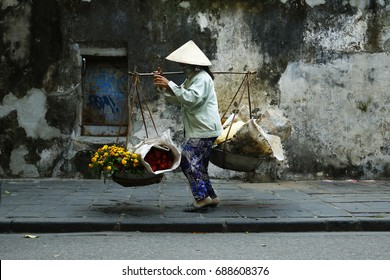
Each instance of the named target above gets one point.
<point>109,159</point>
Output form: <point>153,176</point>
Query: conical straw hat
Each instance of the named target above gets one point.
<point>189,53</point>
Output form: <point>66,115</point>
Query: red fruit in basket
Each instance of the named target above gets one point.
<point>159,159</point>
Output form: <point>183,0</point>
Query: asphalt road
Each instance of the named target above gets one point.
<point>196,246</point>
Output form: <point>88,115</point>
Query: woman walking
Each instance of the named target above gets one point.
<point>202,124</point>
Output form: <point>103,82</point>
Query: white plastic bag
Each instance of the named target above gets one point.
<point>164,142</point>
<point>275,123</point>
<point>251,140</point>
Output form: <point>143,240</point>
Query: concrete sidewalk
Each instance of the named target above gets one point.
<point>55,205</point>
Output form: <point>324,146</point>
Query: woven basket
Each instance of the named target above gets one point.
<point>236,162</point>
<point>134,180</point>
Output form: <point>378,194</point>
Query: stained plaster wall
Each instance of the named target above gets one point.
<point>323,63</point>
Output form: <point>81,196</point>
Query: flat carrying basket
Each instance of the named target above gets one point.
<point>134,180</point>
<point>222,158</point>
<point>236,162</point>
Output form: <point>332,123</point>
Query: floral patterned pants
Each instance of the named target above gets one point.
<point>194,164</point>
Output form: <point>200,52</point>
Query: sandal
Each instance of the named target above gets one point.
<point>215,202</point>
<point>193,209</point>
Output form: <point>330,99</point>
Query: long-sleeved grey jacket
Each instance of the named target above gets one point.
<point>199,105</point>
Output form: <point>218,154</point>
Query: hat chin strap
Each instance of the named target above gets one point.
<point>189,69</point>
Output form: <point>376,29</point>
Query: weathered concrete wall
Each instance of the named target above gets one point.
<point>338,95</point>
<point>348,131</point>
<point>323,63</point>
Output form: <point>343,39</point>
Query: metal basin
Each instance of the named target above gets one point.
<point>236,162</point>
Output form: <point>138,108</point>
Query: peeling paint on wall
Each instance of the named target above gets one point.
<point>17,32</point>
<point>31,111</point>
<point>185,4</point>
<point>362,4</point>
<point>201,19</point>
<point>9,3</point>
<point>19,166</point>
<point>342,33</point>
<point>235,52</point>
<point>313,3</point>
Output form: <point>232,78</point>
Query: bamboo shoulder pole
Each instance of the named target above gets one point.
<point>178,73</point>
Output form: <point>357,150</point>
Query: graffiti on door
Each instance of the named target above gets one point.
<point>105,92</point>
